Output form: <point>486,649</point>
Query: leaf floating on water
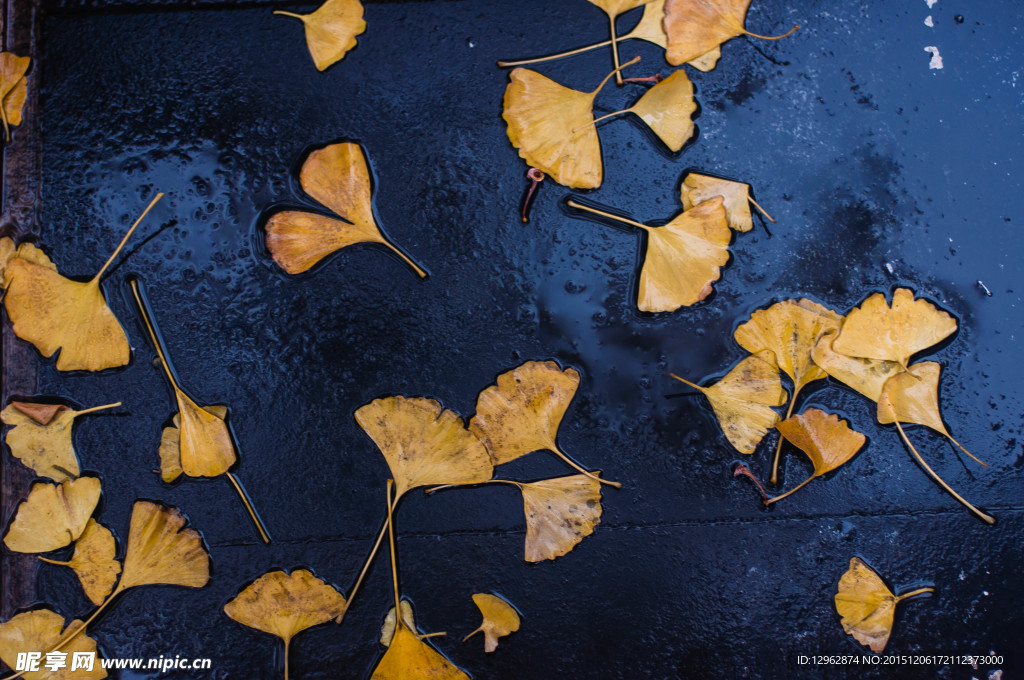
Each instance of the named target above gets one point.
<point>53,515</point>
<point>286,604</point>
<point>338,177</point>
<point>94,561</point>
<point>170,444</point>
<point>55,313</point>
<point>40,437</point>
<point>742,401</point>
<point>866,376</point>
<point>331,30</point>
<point>424,443</point>
<point>161,550</point>
<point>42,629</point>
<point>387,630</point>
<point>500,619</point>
<point>560,513</point>
<point>698,188</point>
<point>13,89</point>
<point>522,411</point>
<point>409,657</point>
<point>696,27</point>
<point>876,330</point>
<point>867,606</point>
<point>828,441</point>
<point>667,109</point>
<point>25,251</point>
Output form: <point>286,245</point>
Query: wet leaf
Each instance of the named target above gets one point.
<point>560,513</point>
<point>13,89</point>
<point>53,515</point>
<point>338,177</point>
<point>387,630</point>
<point>94,561</point>
<point>828,441</point>
<point>707,61</point>
<point>170,443</point>
<point>424,443</point>
<point>866,376</point>
<point>500,619</point>
<point>39,630</point>
<point>667,108</point>
<point>331,30</point>
<point>867,606</point>
<point>696,27</point>
<point>876,330</point>
<point>742,401</point>
<point>162,551</point>
<point>411,658</point>
<point>40,437</point>
<point>698,188</point>
<point>25,251</point>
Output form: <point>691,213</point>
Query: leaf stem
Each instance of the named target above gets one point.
<point>281,12</point>
<point>793,490</point>
<point>772,37</point>
<point>394,558</point>
<point>604,117</point>
<point>912,593</point>
<point>248,506</point>
<point>405,258</point>
<point>778,449</point>
<point>615,50</point>
<point>124,240</point>
<point>760,209</point>
<point>579,206</point>
<point>687,382</point>
<point>575,465</point>
<point>560,55</point>
<point>287,642</point>
<point>7,129</point>
<point>617,69</point>
<point>93,409</point>
<point>148,321</point>
<point>489,481</point>
<point>973,457</point>
<point>366,565</point>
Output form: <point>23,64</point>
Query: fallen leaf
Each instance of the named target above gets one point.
<point>13,89</point>
<point>170,443</point>
<point>424,443</point>
<point>331,30</point>
<point>707,61</point>
<point>695,27</point>
<point>667,108</point>
<point>742,401</point>
<point>162,551</point>
<point>55,313</point>
<point>866,376</point>
<point>39,630</point>
<point>94,561</point>
<point>560,513</point>
<point>411,658</point>
<point>40,437</point>
<point>338,177</point>
<point>387,630</point>
<point>697,188</point>
<point>867,606</point>
<point>53,515</point>
<point>286,604</point>
<point>500,619</point>
<point>876,330</point>
<point>828,441</point>
<point>614,8</point>
<point>522,411</point>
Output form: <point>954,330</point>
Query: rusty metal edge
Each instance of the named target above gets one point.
<point>19,218</point>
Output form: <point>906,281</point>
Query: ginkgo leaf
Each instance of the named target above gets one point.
<point>25,251</point>
<point>500,619</point>
<point>338,177</point>
<point>560,513</point>
<point>13,89</point>
<point>39,630</point>
<point>94,561</point>
<point>705,62</point>
<point>682,259</point>
<point>614,8</point>
<point>162,551</point>
<point>828,441</point>
<point>285,604</point>
<point>695,27</point>
<point>40,437</point>
<point>522,411</point>
<point>53,515</point>
<point>331,30</point>
<point>55,313</point>
<point>387,629</point>
<point>697,188</point>
<point>424,443</point>
<point>667,108</point>
<point>877,330</point>
<point>867,606</point>
<point>742,401</point>
<point>866,376</point>
<point>409,657</point>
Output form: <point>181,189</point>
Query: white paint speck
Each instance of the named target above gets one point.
<point>888,267</point>
<point>470,43</point>
<point>928,22</point>
<point>931,3</point>
<point>985,593</point>
<point>936,61</point>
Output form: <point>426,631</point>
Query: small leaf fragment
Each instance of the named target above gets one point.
<point>697,188</point>
<point>13,89</point>
<point>560,513</point>
<point>387,630</point>
<point>161,550</point>
<point>53,515</point>
<point>867,606</point>
<point>331,30</point>
<point>94,561</point>
<point>500,619</point>
<point>41,438</point>
<point>39,630</point>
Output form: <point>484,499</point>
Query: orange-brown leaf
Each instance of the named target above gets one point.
<point>828,441</point>
<point>162,551</point>
<point>867,606</point>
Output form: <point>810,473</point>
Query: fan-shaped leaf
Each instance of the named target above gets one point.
<point>667,108</point>
<point>867,606</point>
<point>410,658</point>
<point>53,515</point>
<point>560,513</point>
<point>500,619</point>
<point>94,561</point>
<point>695,27</point>
<point>39,630</point>
<point>331,30</point>
<point>162,551</point>
<point>828,441</point>
<point>697,188</point>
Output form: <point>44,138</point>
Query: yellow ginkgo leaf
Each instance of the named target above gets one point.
<point>706,61</point>
<point>867,606</point>
<point>13,89</point>
<point>94,561</point>
<point>697,188</point>
<point>560,513</point>
<point>522,411</point>
<point>409,657</point>
<point>695,27</point>
<point>742,401</point>
<point>41,437</point>
<point>285,604</point>
<point>666,108</point>
<point>828,441</point>
<point>424,443</point>
<point>683,258</point>
<point>877,330</point>
<point>162,551</point>
<point>331,30</point>
<point>387,629</point>
<point>40,630</point>
<point>614,8</point>
<point>500,619</point>
<point>53,515</point>
<point>25,251</point>
<point>338,177</point>
<point>866,376</point>
<point>55,313</point>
